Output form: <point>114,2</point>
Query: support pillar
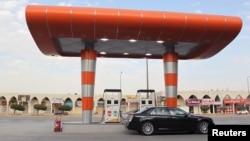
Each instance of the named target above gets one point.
<point>171,76</point>
<point>88,65</point>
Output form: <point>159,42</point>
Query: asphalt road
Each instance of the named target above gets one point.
<point>42,129</point>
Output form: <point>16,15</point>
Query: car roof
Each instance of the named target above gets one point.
<point>163,107</point>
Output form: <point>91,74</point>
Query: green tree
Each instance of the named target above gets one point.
<point>17,107</point>
<point>65,107</point>
<point>39,107</point>
<point>204,108</point>
<point>240,107</point>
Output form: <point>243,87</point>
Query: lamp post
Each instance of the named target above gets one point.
<point>121,80</point>
<point>248,85</point>
<point>147,76</point>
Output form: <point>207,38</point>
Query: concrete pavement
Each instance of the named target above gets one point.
<point>73,124</point>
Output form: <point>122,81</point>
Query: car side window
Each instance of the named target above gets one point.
<point>176,112</point>
<point>180,112</point>
<point>172,112</point>
<point>153,112</point>
<point>165,112</point>
<point>159,111</point>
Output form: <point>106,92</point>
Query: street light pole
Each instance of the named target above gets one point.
<point>147,76</point>
<point>121,80</point>
<point>147,72</point>
<point>248,85</point>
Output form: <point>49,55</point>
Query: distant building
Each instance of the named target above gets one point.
<point>187,100</point>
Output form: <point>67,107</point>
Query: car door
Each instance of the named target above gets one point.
<point>169,120</point>
<point>161,119</point>
<point>182,121</point>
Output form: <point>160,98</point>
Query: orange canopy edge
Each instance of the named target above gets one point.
<point>65,31</point>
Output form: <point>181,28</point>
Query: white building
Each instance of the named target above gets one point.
<point>188,100</point>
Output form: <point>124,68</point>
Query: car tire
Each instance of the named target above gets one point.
<point>203,127</point>
<point>147,128</point>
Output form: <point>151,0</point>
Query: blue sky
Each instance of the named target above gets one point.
<point>24,69</point>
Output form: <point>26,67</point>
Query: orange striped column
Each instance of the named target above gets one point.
<point>171,76</point>
<point>88,65</point>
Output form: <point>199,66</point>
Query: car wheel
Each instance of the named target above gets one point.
<point>203,127</point>
<point>147,128</point>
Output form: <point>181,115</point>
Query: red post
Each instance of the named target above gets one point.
<point>58,127</point>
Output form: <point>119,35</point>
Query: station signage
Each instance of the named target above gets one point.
<point>207,102</point>
<point>232,101</point>
<point>193,102</point>
<point>196,102</point>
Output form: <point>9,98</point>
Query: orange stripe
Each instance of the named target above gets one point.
<point>88,54</point>
<point>88,77</point>
<point>87,103</point>
<point>170,57</point>
<point>171,79</point>
<point>171,102</point>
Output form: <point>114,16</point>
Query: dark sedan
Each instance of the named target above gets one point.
<point>164,119</point>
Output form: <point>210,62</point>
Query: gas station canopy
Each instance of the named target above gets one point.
<point>124,33</point>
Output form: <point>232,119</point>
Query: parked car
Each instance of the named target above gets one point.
<point>151,120</point>
<point>60,112</point>
<point>242,112</point>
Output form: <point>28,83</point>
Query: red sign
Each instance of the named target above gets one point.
<point>193,102</point>
<point>207,102</point>
<point>231,101</point>
<point>109,113</point>
<point>248,102</point>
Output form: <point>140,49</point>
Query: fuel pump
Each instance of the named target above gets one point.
<point>112,105</point>
<point>146,98</point>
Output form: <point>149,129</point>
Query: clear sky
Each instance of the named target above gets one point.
<point>24,69</point>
